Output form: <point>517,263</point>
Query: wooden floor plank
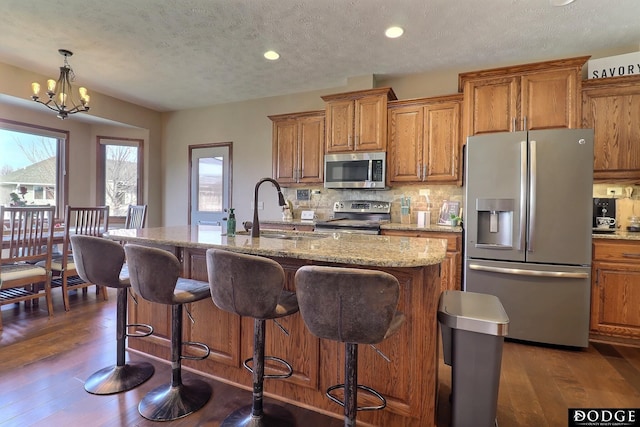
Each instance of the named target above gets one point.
<point>44,362</point>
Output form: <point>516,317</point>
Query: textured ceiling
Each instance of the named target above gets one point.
<point>178,54</point>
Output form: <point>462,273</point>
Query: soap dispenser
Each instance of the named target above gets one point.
<point>231,223</point>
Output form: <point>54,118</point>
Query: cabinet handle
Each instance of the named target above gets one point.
<point>418,170</point>
<point>349,141</point>
<point>631,255</point>
<point>424,172</point>
<point>357,140</point>
<point>513,125</point>
<point>524,127</point>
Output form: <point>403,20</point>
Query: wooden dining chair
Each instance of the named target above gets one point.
<point>136,216</point>
<point>26,241</point>
<point>89,221</point>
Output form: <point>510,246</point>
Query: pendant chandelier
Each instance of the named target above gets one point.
<point>60,94</point>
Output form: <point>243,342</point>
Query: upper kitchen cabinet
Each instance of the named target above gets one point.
<point>612,108</point>
<point>424,140</point>
<point>357,121</point>
<point>298,148</point>
<point>542,95</point>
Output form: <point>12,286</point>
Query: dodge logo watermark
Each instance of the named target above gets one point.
<point>610,417</point>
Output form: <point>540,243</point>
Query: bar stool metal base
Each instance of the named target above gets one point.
<point>114,379</point>
<point>273,416</point>
<point>167,403</point>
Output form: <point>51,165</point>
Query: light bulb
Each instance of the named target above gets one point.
<point>63,98</point>
<point>51,85</point>
<point>36,88</point>
<point>83,91</point>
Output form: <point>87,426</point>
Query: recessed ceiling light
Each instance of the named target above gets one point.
<point>393,32</point>
<point>560,2</point>
<point>271,55</point>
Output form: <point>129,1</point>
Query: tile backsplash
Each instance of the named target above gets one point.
<point>322,203</point>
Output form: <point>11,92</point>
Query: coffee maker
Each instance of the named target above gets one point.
<point>604,212</point>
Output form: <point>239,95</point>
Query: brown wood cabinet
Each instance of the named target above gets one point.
<point>615,288</point>
<point>525,97</point>
<point>408,383</point>
<point>298,148</point>
<point>357,121</point>
<point>611,107</point>
<point>451,267</point>
<point>424,140</point>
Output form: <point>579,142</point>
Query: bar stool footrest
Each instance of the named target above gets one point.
<point>369,390</point>
<point>202,345</point>
<point>274,359</point>
<point>149,331</point>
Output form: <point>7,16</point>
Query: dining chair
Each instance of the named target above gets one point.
<point>136,216</point>
<point>27,240</point>
<point>89,221</point>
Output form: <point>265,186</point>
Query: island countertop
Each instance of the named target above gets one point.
<point>409,383</point>
<point>340,248</point>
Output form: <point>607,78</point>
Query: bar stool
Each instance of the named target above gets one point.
<point>252,286</point>
<point>154,275</point>
<point>353,306</point>
<point>99,261</point>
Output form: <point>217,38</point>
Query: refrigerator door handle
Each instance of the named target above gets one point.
<point>532,195</point>
<point>523,193</point>
<point>523,272</point>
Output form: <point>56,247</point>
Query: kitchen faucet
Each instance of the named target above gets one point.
<point>255,229</point>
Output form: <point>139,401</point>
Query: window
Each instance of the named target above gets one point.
<point>119,172</point>
<point>32,165</point>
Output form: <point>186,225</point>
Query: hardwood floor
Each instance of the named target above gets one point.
<point>44,362</point>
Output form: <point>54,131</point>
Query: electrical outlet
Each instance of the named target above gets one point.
<point>614,191</point>
<point>302,194</point>
<point>260,205</point>
<point>425,192</point>
<point>315,192</point>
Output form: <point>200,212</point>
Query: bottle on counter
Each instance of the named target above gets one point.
<point>231,223</point>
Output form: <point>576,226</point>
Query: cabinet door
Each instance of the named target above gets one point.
<point>491,105</point>
<point>405,144</point>
<point>613,112</point>
<point>371,123</point>
<point>615,298</point>
<point>285,152</point>
<point>339,122</point>
<point>550,99</point>
<point>311,149</point>
<point>441,142</point>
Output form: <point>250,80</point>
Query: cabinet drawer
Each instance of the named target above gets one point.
<point>616,251</point>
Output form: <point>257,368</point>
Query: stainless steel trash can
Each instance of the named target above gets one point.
<point>473,328</point>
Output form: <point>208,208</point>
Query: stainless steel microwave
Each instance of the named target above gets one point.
<point>355,170</point>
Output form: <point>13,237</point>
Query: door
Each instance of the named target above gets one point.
<point>495,215</point>
<point>545,303</point>
<point>560,196</point>
<point>210,183</point>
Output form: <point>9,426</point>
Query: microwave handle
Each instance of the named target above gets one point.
<point>370,172</point>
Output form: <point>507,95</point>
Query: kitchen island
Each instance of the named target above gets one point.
<point>409,381</point>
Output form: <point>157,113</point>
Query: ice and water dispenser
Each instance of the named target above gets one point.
<point>495,222</point>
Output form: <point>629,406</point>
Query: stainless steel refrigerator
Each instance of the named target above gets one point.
<point>528,225</point>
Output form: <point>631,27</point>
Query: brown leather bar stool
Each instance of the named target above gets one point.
<point>155,276</point>
<point>99,261</point>
<point>253,286</point>
<point>353,306</point>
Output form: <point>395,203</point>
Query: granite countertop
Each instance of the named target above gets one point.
<point>340,248</point>
<point>385,226</point>
<point>618,235</point>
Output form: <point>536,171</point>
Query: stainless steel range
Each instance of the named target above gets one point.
<point>356,216</point>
